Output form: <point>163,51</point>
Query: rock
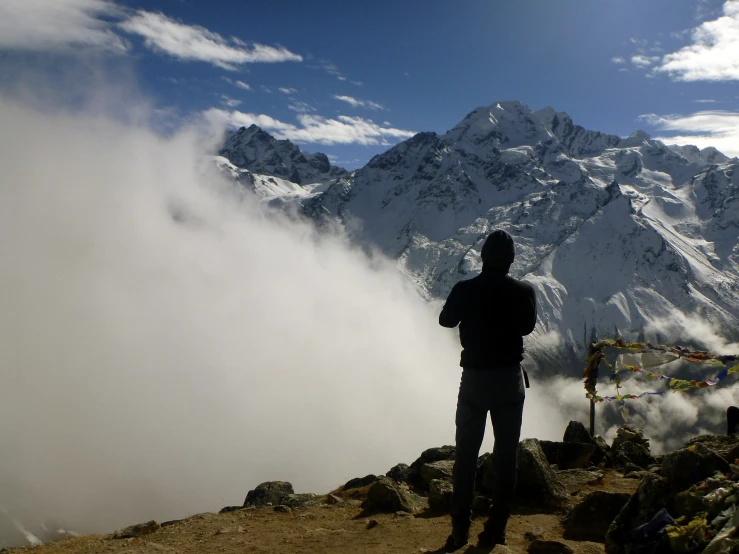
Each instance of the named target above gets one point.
<point>359,482</point>
<point>652,495</point>
<point>640,474</point>
<point>332,499</point>
<point>437,470</point>
<point>138,530</point>
<point>627,433</point>
<point>549,547</point>
<point>590,518</point>
<point>691,465</point>
<point>631,454</point>
<point>538,486</point>
<point>299,500</point>
<point>224,531</point>
<point>481,505</point>
<point>399,473</point>
<point>435,455</point>
<point>576,432</point>
<point>271,492</point>
<point>372,523</point>
<point>575,480</point>
<point>405,515</point>
<point>601,443</point>
<point>726,446</point>
<point>533,534</point>
<point>225,510</point>
<point>384,495</point>
<point>568,455</point>
<point>440,495</point>
<point>283,509</point>
<point>501,549</point>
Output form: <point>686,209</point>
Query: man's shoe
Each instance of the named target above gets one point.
<point>487,539</point>
<point>455,542</point>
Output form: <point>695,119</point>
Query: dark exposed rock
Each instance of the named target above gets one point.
<point>399,473</point>
<point>538,486</point>
<point>576,432</point>
<point>549,547</point>
<point>726,446</point>
<point>283,509</point>
<point>138,530</point>
<point>575,479</point>
<point>627,454</point>
<point>434,455</point>
<point>690,465</point>
<point>270,492</point>
<point>299,500</point>
<point>359,482</point>
<point>590,518</point>
<point>440,495</point>
<point>437,470</point>
<point>568,455</point>
<point>224,510</point>
<point>384,495</point>
<point>652,495</point>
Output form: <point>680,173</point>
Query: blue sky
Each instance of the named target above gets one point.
<point>350,78</point>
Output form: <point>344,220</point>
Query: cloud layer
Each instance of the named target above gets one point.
<point>716,128</point>
<point>314,128</point>
<point>357,103</point>
<point>712,56</point>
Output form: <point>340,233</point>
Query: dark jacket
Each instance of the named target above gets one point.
<point>494,312</point>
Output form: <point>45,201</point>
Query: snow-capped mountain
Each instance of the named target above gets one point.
<point>615,233</point>
<point>260,153</point>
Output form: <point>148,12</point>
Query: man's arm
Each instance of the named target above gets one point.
<point>451,313</point>
<point>528,311</point>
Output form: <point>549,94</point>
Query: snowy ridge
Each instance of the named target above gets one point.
<point>616,233</point>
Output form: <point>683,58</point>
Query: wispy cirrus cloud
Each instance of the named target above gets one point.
<point>618,60</point>
<point>716,128</point>
<point>314,129</point>
<point>229,102</point>
<point>357,103</point>
<point>644,61</point>
<point>712,56</point>
<point>57,24</point>
<point>301,107</point>
<point>195,43</point>
<point>288,91</point>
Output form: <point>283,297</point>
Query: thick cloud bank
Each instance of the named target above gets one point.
<point>165,345</point>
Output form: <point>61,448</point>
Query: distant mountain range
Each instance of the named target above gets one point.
<point>615,233</point>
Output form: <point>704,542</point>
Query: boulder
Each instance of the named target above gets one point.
<point>634,455</point>
<point>590,518</point>
<point>270,492</point>
<point>399,472</point>
<point>437,470</point>
<point>726,446</point>
<point>652,496</point>
<point>575,480</point>
<point>359,482</point>
<point>138,530</point>
<point>691,465</point>
<point>568,455</point>
<point>627,433</point>
<point>549,547</point>
<point>434,455</point>
<point>299,500</point>
<point>440,495</point>
<point>386,496</point>
<point>576,432</point>
<point>537,486</point>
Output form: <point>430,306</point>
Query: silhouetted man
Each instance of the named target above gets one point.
<point>732,420</point>
<point>494,312</point>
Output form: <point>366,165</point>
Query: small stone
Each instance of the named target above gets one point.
<point>533,534</point>
<point>402,514</point>
<point>372,523</point>
<point>333,499</point>
<point>283,509</point>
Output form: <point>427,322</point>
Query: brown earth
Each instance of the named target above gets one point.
<point>330,529</point>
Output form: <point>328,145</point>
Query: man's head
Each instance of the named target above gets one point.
<point>498,251</point>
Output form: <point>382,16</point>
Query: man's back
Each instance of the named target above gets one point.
<point>493,311</point>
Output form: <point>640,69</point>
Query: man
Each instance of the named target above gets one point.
<point>494,312</point>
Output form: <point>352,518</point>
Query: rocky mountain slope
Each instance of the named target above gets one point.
<point>579,495</point>
<point>618,235</point>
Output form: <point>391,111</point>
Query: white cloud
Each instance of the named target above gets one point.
<point>644,61</point>
<point>357,103</point>
<point>266,89</point>
<point>713,54</point>
<point>301,107</point>
<point>229,102</point>
<point>719,129</point>
<point>55,24</point>
<point>618,60</point>
<point>195,43</point>
<point>357,83</point>
<point>284,90</point>
<point>314,128</point>
<point>705,101</point>
<point>242,84</point>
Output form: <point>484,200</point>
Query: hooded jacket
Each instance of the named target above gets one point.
<point>494,312</point>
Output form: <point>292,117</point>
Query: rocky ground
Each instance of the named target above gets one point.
<point>579,495</point>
